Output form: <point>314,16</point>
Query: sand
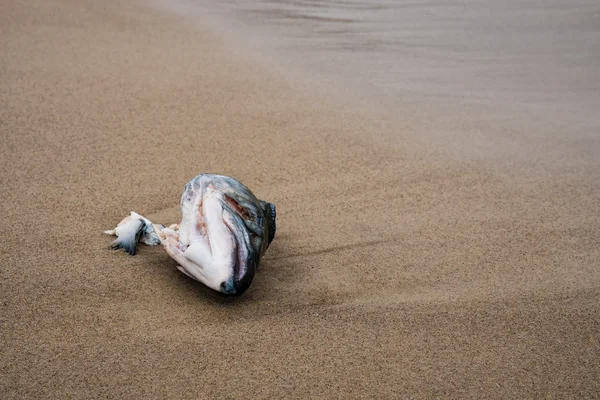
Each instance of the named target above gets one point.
<point>398,270</point>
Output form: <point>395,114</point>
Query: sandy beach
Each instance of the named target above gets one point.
<point>407,264</point>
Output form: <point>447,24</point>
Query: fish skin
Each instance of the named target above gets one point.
<point>241,226</point>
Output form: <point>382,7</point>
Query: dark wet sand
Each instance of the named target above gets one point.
<point>398,270</point>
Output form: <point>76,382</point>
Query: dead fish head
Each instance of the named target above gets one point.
<point>224,232</point>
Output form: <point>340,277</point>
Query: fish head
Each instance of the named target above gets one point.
<point>224,232</point>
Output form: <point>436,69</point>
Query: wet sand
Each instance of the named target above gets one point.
<point>400,268</point>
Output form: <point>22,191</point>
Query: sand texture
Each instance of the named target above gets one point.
<point>398,271</point>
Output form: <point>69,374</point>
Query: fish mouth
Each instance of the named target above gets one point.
<point>244,266</point>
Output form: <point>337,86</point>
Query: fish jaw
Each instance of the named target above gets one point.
<point>246,256</point>
<point>229,236</point>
